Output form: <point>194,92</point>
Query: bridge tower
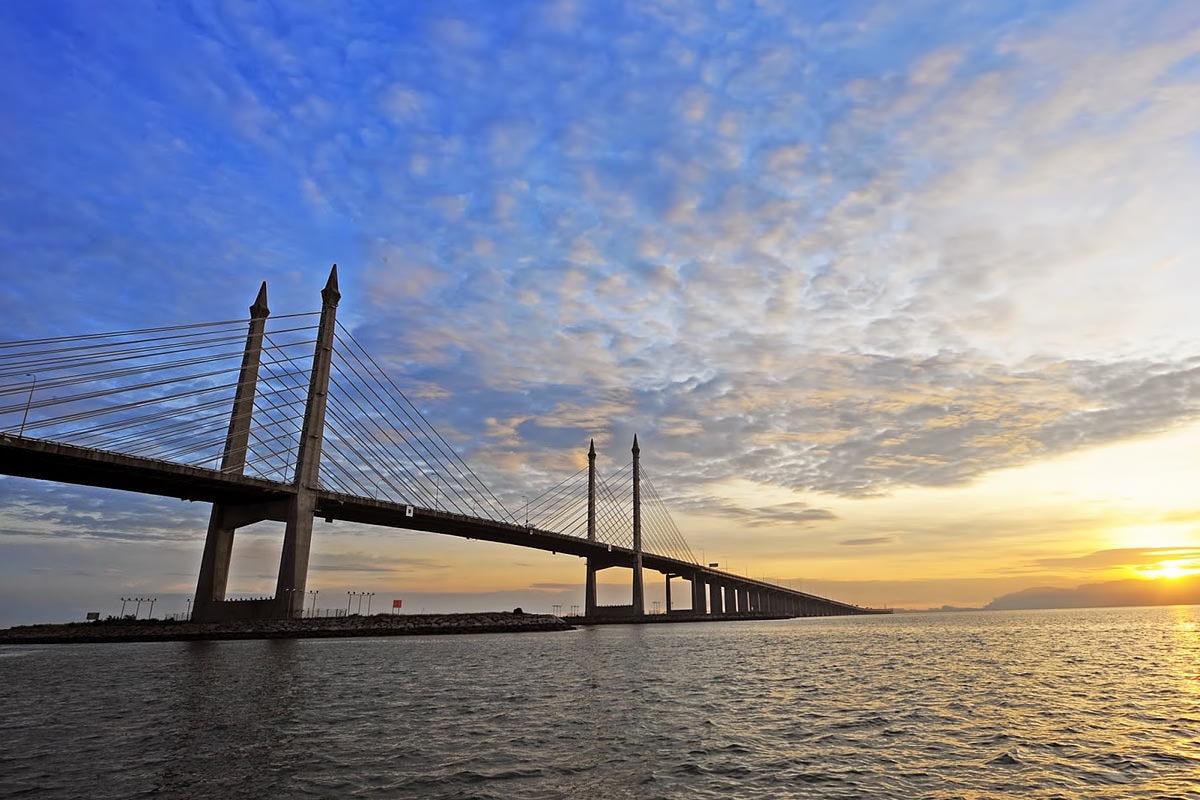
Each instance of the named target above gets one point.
<point>589,590</point>
<point>637,608</point>
<point>639,593</point>
<point>297,510</point>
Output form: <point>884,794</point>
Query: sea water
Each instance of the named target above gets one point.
<point>1101,703</point>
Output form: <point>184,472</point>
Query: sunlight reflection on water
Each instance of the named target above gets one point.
<point>1096,703</point>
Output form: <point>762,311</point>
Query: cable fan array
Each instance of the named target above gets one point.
<point>162,393</point>
<point>378,443</point>
<point>166,393</point>
<point>563,508</point>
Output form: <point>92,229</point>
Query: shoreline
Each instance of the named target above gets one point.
<point>320,628</point>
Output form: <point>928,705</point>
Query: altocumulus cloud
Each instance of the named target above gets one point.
<point>832,249</point>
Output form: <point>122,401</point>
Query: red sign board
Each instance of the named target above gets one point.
<point>397,603</point>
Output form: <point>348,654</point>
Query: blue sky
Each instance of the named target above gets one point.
<point>849,269</point>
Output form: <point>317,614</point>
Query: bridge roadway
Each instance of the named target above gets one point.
<point>64,463</point>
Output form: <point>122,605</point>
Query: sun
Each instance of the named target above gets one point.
<point>1170,570</point>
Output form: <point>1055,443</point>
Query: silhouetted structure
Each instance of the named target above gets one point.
<point>389,467</point>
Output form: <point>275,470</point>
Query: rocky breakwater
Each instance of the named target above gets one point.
<point>325,627</point>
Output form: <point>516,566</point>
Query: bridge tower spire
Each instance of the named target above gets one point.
<point>589,589</point>
<point>218,543</point>
<point>297,537</point>
<point>639,594</point>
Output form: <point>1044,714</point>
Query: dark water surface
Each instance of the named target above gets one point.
<point>1096,704</point>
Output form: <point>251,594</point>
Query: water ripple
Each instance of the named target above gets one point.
<point>1098,704</point>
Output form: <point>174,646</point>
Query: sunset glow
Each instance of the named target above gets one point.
<point>1171,570</point>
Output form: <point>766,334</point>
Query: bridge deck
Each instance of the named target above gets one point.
<point>64,463</point>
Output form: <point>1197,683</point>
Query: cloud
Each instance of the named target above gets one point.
<point>373,563</point>
<point>789,514</point>
<point>868,541</point>
<point>35,509</point>
<point>1131,557</point>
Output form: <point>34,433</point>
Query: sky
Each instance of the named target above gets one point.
<point>897,296</point>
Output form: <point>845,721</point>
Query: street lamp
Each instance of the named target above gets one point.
<point>150,613</point>
<point>189,611</point>
<point>138,610</point>
<point>313,611</point>
<point>369,596</point>
<point>290,595</point>
<point>28,403</point>
<point>124,600</point>
<point>348,596</point>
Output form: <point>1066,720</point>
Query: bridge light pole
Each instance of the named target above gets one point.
<point>28,403</point>
<point>369,596</point>
<point>124,600</point>
<point>312,612</point>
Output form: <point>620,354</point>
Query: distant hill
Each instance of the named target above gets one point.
<point>1163,592</point>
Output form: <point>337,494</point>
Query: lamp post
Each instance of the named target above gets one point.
<point>150,613</point>
<point>189,611</point>
<point>312,612</point>
<point>138,609</point>
<point>124,600</point>
<point>28,403</point>
<point>348,596</point>
<point>291,597</point>
<point>369,596</point>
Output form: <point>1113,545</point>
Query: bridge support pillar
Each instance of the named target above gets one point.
<point>730,602</point>
<point>668,591</point>
<point>589,591</point>
<point>715,603</point>
<point>699,603</point>
<point>218,542</point>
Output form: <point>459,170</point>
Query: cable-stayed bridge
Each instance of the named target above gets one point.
<point>288,418</point>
